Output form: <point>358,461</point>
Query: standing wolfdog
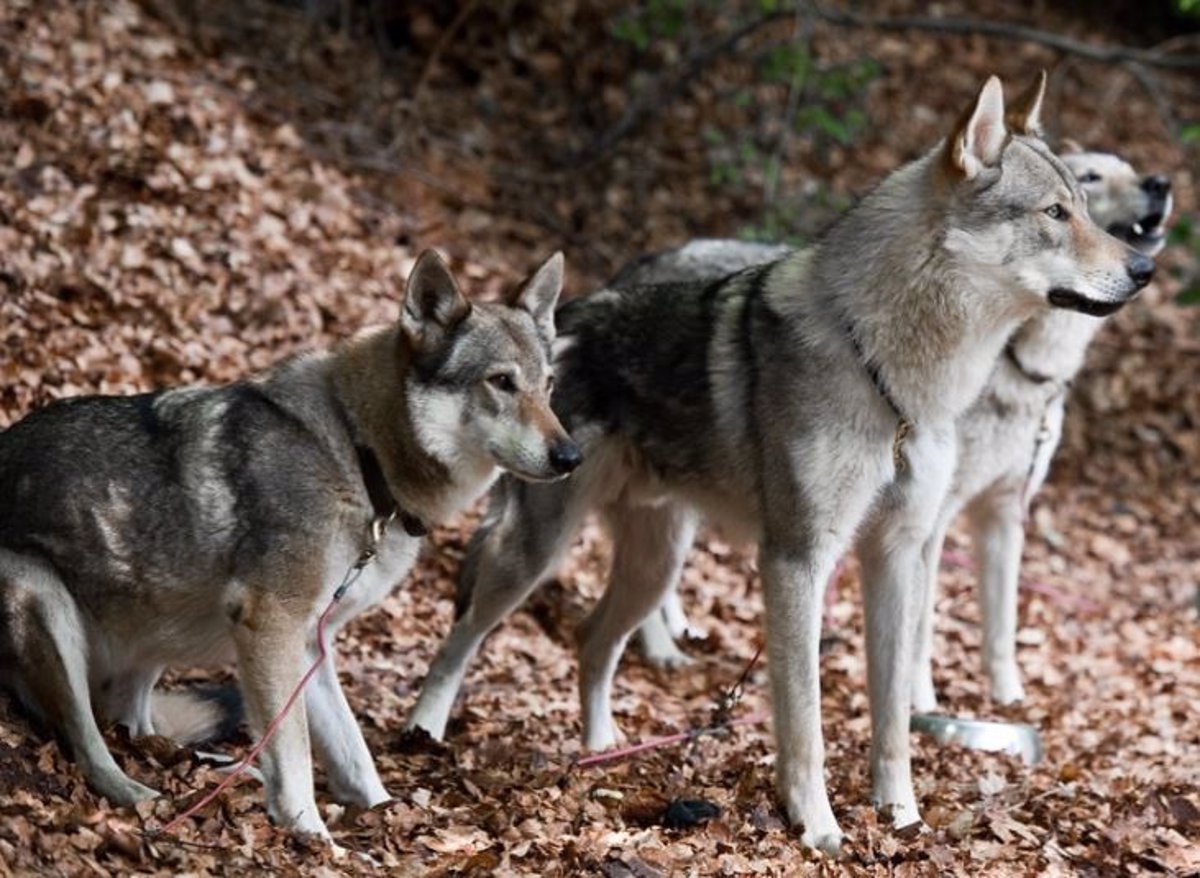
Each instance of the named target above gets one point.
<point>1005,440</point>
<point>792,404</point>
<point>185,526</point>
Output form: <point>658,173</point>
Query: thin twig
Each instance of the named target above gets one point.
<point>1008,31</point>
<point>443,41</point>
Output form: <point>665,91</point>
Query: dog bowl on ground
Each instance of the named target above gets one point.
<point>1019,739</point>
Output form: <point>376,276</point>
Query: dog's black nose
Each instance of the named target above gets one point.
<point>565,457</point>
<point>1156,184</point>
<point>1140,269</point>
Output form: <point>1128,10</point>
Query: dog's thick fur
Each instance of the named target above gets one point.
<point>198,524</point>
<point>1005,440</point>
<point>772,403</point>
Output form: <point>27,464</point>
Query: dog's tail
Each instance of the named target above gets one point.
<point>197,716</point>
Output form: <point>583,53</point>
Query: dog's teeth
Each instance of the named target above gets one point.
<point>1137,229</point>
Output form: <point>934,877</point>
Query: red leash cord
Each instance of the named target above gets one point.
<point>272,727</point>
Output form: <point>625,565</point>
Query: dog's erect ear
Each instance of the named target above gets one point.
<point>539,294</point>
<point>979,136</point>
<point>433,303</point>
<point>1067,146</point>
<point>1025,113</point>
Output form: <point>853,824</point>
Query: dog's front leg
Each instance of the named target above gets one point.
<point>270,638</point>
<point>894,556</point>
<point>339,741</point>
<point>793,583</point>
<point>924,695</point>
<point>998,536</point>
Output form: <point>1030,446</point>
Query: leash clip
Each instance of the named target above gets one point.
<point>375,532</point>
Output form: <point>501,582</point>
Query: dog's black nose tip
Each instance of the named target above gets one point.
<point>1140,269</point>
<point>565,457</point>
<point>1156,184</point>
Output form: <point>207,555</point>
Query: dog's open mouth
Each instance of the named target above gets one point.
<point>1145,234</point>
<point>1072,300</point>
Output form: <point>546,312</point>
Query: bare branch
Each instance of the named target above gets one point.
<point>1018,32</point>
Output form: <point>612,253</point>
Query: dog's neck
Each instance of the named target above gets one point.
<point>932,332</point>
<point>1052,346</point>
<point>369,379</point>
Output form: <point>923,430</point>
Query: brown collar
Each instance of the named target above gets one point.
<point>382,501</point>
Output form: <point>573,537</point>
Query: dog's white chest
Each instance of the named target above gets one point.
<point>396,553</point>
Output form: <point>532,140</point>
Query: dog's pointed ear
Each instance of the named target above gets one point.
<point>539,294</point>
<point>1067,146</point>
<point>1025,113</point>
<point>433,303</point>
<point>979,136</point>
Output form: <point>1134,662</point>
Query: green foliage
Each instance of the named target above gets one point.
<point>1186,234</point>
<point>790,101</point>
<point>657,19</point>
<point>1188,7</point>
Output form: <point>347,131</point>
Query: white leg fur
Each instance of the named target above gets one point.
<point>892,553</point>
<point>649,547</point>
<point>658,645</point>
<point>796,564</point>
<point>339,742</point>
<point>676,619</point>
<point>999,537</point>
<point>924,695</point>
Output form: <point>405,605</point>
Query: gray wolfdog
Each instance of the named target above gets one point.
<point>795,404</point>
<point>1005,440</point>
<point>195,524</point>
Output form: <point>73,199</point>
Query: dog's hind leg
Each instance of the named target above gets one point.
<point>660,633</point>
<point>650,544</point>
<point>527,530</point>
<point>658,646</point>
<point>998,538</point>
<point>126,699</point>
<point>48,642</point>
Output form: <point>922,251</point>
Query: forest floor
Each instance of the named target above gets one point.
<point>188,201</point>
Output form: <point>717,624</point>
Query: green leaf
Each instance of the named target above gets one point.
<point>1190,295</point>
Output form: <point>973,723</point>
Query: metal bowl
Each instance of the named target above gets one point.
<point>1019,739</point>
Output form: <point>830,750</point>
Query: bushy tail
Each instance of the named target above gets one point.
<point>197,716</point>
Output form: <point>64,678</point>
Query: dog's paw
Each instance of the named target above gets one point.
<point>601,736</point>
<point>1006,686</point>
<point>924,696</point>
<point>122,790</point>
<point>829,843</point>
<point>669,656</point>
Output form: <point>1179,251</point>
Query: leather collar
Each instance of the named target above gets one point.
<point>382,501</point>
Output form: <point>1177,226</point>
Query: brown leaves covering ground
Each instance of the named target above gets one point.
<point>164,218</point>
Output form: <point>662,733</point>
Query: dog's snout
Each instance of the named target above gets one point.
<point>1140,269</point>
<point>565,457</point>
<point>1156,184</point>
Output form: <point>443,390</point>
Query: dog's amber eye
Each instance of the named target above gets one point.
<point>503,381</point>
<point>1057,211</point>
